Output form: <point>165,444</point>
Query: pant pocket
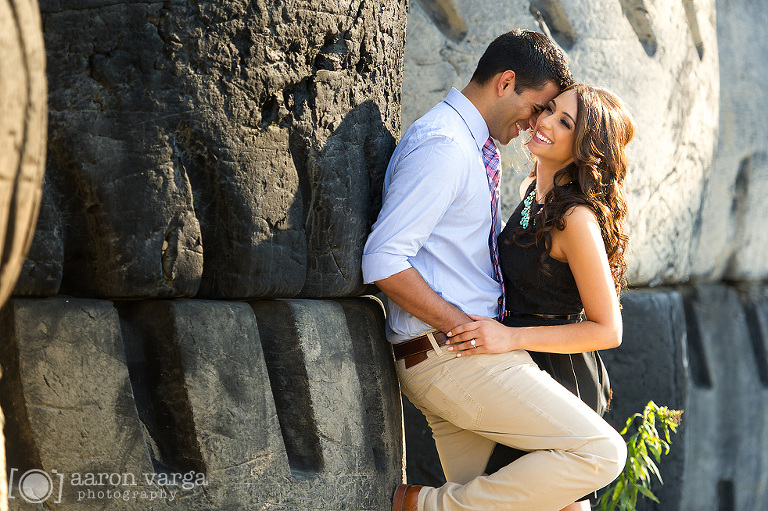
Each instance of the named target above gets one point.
<point>444,396</point>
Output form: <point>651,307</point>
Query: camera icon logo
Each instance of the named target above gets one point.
<point>35,486</point>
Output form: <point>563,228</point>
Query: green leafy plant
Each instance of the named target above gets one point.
<point>643,447</point>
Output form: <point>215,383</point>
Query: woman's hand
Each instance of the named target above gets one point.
<point>482,335</point>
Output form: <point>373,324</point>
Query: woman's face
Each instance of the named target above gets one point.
<point>552,140</point>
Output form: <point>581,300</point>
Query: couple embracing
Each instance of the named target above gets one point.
<point>495,328</point>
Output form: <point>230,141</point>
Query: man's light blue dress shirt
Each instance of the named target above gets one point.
<point>436,215</point>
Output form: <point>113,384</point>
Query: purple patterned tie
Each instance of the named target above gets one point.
<point>493,170</point>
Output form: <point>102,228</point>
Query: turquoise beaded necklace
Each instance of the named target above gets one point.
<point>525,217</point>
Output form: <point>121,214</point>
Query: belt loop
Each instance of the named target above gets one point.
<point>434,344</point>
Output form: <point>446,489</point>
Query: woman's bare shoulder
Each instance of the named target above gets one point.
<point>579,218</point>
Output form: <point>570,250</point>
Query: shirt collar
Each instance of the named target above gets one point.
<point>470,114</point>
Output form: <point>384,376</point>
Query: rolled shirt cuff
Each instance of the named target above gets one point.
<point>381,266</point>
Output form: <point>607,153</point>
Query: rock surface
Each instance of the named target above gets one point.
<point>652,364</point>
<point>219,150</point>
<point>733,238</point>
<point>68,401</point>
<point>43,267</point>
<point>727,410</point>
<point>201,388</point>
<point>283,405</point>
<point>337,400</point>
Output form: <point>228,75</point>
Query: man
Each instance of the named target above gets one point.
<point>432,252</point>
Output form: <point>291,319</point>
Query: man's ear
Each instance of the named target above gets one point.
<point>506,82</point>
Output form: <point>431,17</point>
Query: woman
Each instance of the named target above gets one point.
<point>562,250</point>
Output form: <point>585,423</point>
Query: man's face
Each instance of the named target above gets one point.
<point>518,112</point>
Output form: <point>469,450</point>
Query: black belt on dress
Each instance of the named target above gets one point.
<point>533,315</point>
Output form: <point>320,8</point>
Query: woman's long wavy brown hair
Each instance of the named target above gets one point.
<point>604,127</point>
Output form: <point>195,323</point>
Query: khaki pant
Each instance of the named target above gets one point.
<point>473,402</point>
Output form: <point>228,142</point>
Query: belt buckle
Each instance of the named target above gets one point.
<point>431,336</point>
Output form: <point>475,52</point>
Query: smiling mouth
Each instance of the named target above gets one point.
<point>540,137</point>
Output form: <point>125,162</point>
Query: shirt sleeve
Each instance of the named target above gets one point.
<point>422,187</point>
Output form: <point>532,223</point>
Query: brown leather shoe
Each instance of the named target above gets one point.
<point>406,497</point>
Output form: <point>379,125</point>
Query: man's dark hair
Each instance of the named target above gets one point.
<point>534,58</point>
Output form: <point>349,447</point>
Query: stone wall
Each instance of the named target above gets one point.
<point>220,151</point>
<point>696,189</point>
<point>733,238</point>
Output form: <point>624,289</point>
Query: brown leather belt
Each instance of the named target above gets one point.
<point>415,350</point>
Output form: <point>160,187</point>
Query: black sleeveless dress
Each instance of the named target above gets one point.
<point>530,294</point>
